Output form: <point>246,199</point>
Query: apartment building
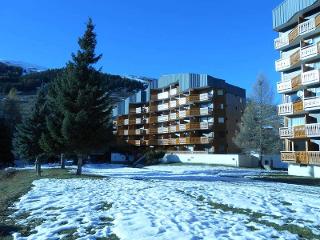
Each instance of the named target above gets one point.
<point>182,112</point>
<point>298,25</point>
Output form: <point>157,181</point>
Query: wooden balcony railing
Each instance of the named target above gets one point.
<point>293,34</point>
<point>302,131</point>
<point>301,157</point>
<point>298,107</point>
<point>286,63</point>
<point>299,131</point>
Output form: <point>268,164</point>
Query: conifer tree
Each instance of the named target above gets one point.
<point>81,102</point>
<point>258,129</point>
<point>52,141</point>
<point>29,131</point>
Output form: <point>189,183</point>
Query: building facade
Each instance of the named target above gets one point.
<point>298,25</point>
<point>182,112</point>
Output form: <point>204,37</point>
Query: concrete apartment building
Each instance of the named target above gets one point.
<point>298,25</point>
<point>182,112</point>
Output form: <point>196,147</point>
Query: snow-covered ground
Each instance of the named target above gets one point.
<point>168,202</point>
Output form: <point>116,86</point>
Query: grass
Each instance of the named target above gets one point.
<point>14,185</point>
<point>284,178</point>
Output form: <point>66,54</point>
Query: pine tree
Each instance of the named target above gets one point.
<point>28,133</point>
<point>82,104</point>
<point>52,141</point>
<point>260,123</point>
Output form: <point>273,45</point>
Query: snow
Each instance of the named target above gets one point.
<point>168,202</point>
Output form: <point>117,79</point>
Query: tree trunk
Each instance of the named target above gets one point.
<point>80,161</point>
<point>62,161</point>
<point>38,166</point>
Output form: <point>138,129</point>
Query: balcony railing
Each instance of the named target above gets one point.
<point>290,108</point>
<point>281,41</point>
<point>173,116</point>
<point>310,77</point>
<point>312,103</point>
<point>285,63</point>
<point>301,157</point>
<point>173,104</point>
<point>286,132</point>
<point>173,91</point>
<point>163,95</point>
<point>182,101</point>
<point>309,51</point>
<point>293,34</point>
<point>163,107</point>
<point>126,122</point>
<point>309,26</point>
<point>302,131</point>
<point>285,109</point>
<point>163,118</point>
<point>283,87</point>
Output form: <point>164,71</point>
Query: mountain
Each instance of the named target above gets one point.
<point>27,67</point>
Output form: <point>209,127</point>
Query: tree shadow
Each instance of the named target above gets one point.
<point>7,230</point>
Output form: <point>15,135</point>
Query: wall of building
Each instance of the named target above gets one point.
<point>234,108</point>
<point>232,160</point>
<point>287,9</point>
<point>305,171</point>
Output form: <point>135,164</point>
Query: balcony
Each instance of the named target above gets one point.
<point>163,95</point>
<point>163,107</point>
<point>309,51</point>
<point>310,77</point>
<point>138,110</point>
<point>303,131</point>
<point>287,86</point>
<point>134,142</point>
<point>183,101</point>
<point>286,132</point>
<point>173,128</point>
<point>290,108</point>
<point>173,116</point>
<point>309,26</point>
<point>288,62</point>
<point>312,103</point>
<point>281,42</point>
<point>293,35</point>
<point>163,118</point>
<point>162,130</point>
<point>126,122</point>
<point>173,91</point>
<point>301,157</point>
<point>283,87</point>
<point>173,104</point>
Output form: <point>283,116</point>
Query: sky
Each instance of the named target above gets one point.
<point>232,40</point>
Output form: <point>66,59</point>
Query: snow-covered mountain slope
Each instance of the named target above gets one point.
<point>28,67</point>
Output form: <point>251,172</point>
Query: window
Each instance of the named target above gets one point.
<point>221,106</point>
<point>221,120</point>
<point>220,92</point>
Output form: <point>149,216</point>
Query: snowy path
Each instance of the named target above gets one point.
<point>169,202</point>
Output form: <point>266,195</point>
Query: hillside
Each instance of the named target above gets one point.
<point>16,77</point>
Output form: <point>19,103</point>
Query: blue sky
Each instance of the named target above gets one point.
<point>231,39</point>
